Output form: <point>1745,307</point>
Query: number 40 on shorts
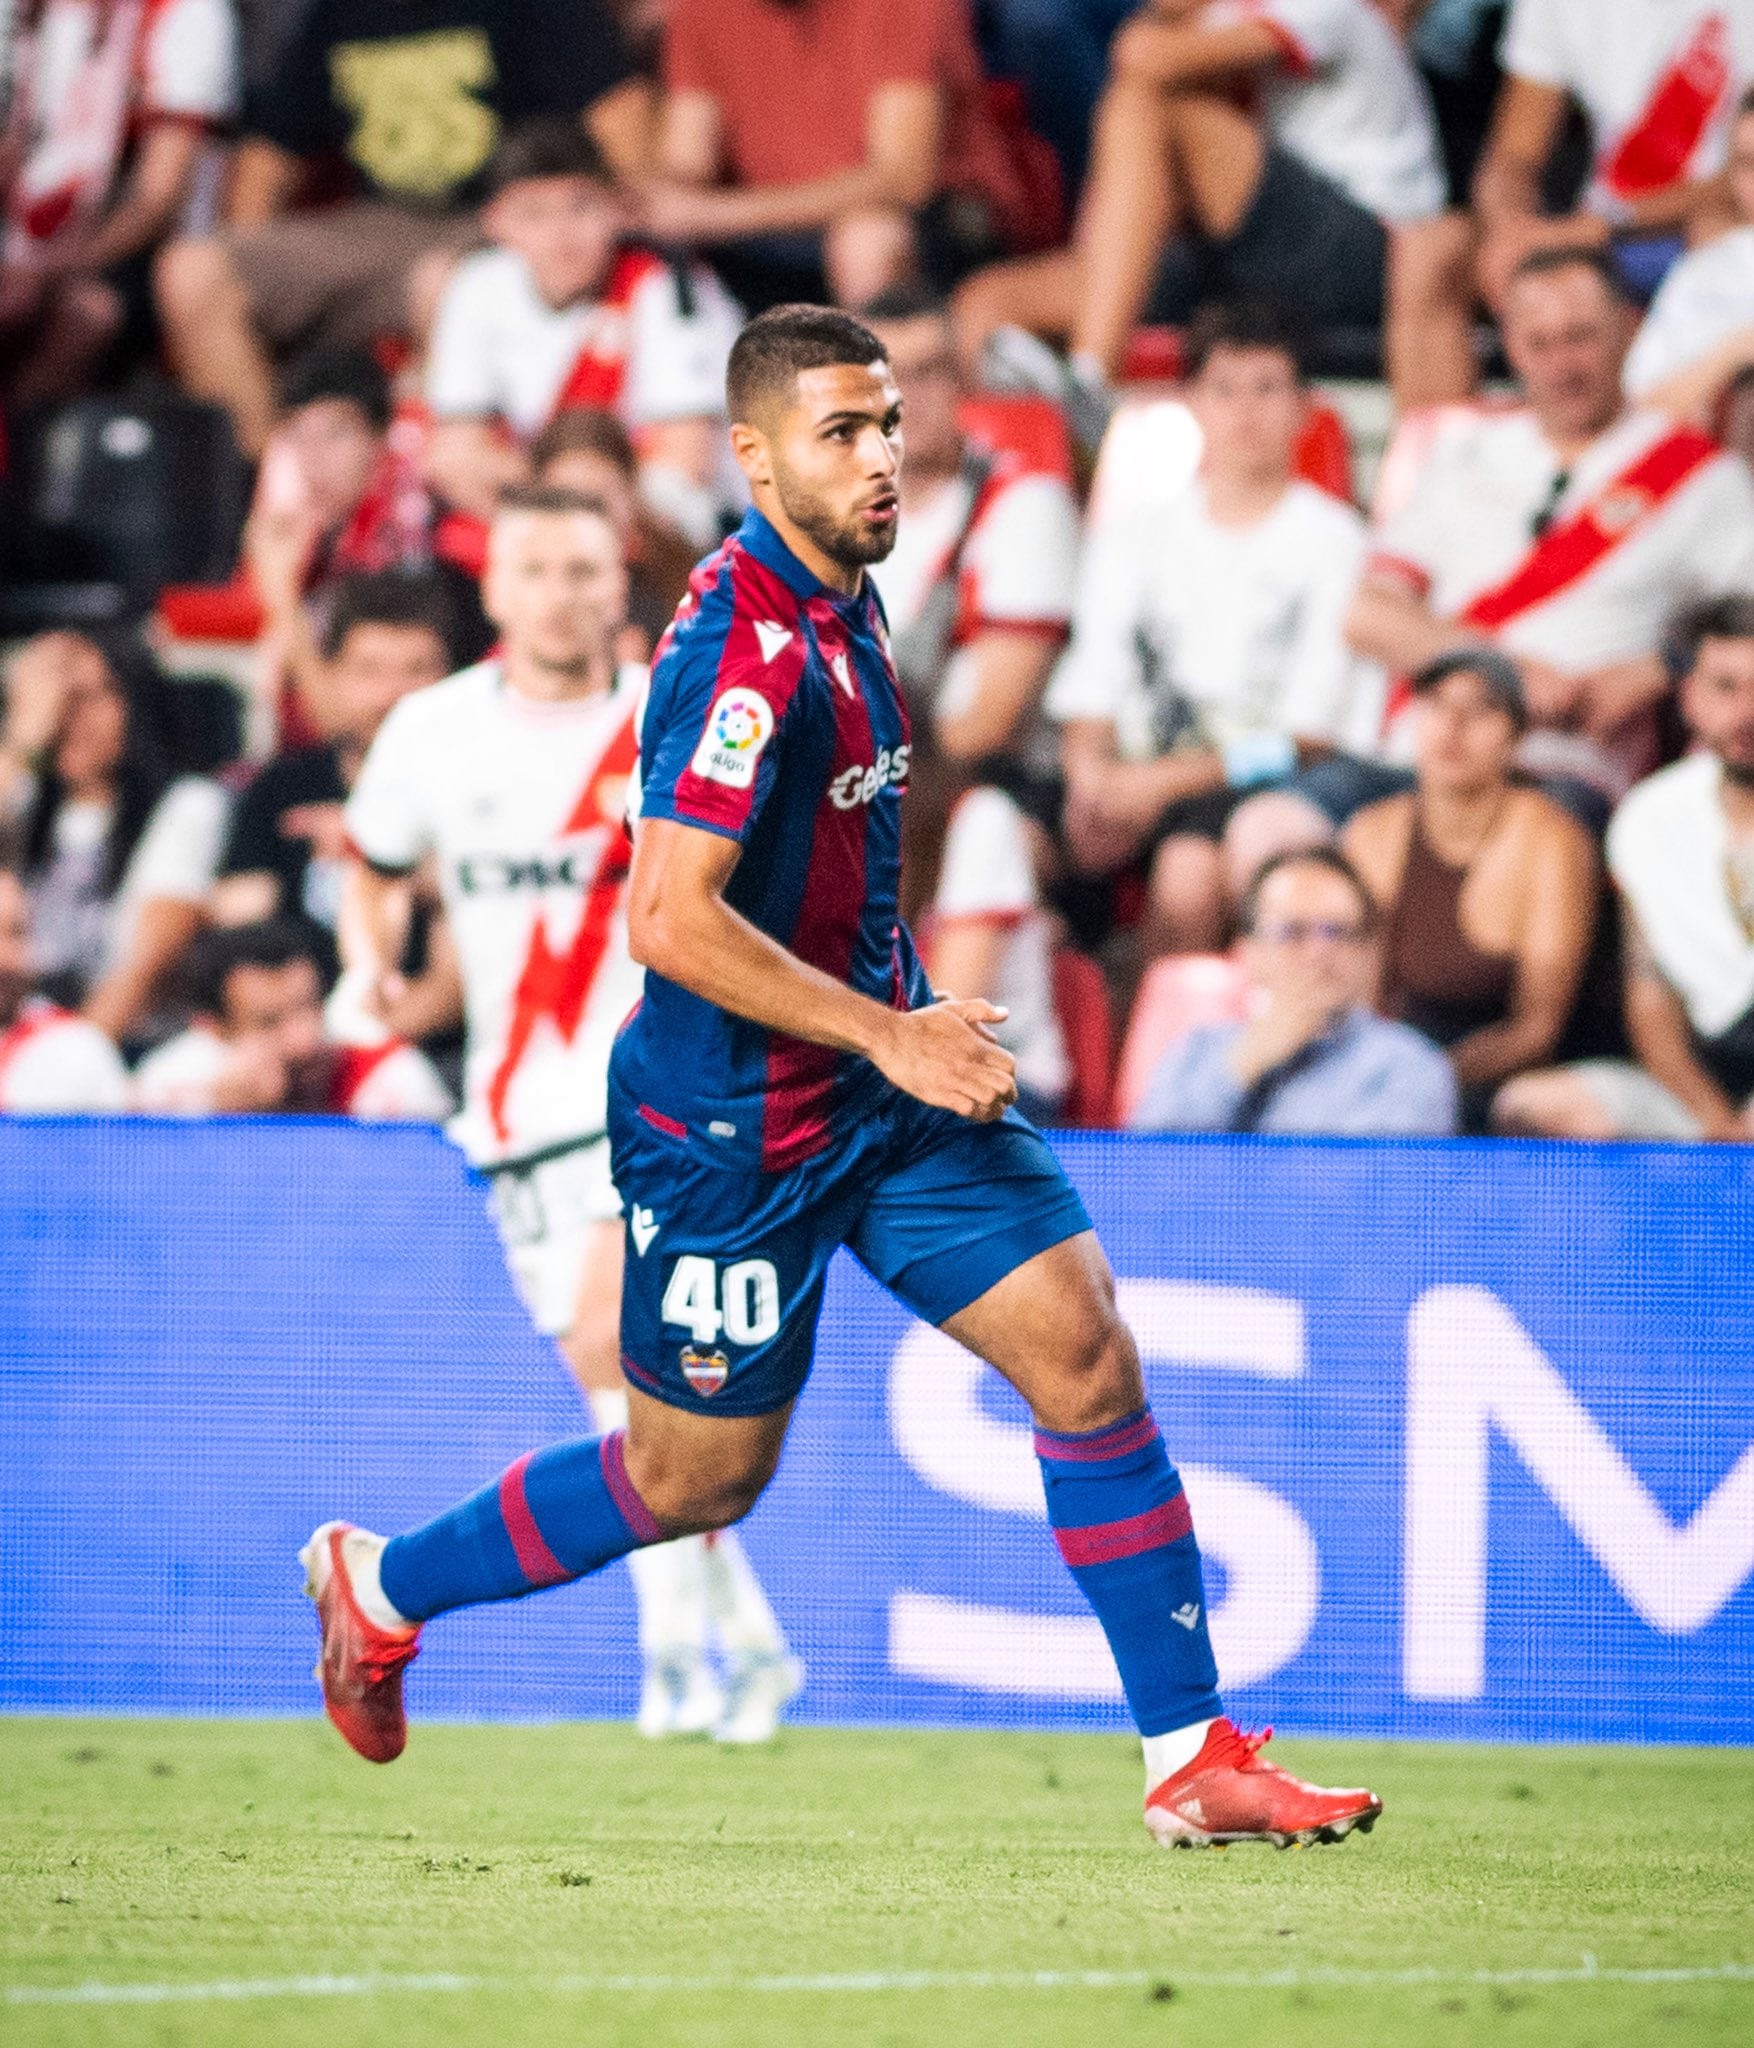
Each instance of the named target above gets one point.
<point>744,1302</point>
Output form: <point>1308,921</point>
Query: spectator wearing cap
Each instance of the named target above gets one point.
<point>51,1060</point>
<point>258,1044</point>
<point>1285,146</point>
<point>1206,638</point>
<point>387,634</point>
<point>1567,531</point>
<point>112,109</point>
<point>1487,890</point>
<point>413,95</point>
<point>830,145</point>
<point>566,310</point>
<point>116,851</point>
<point>1681,852</point>
<point>1312,1057</point>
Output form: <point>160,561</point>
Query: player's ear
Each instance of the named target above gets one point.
<point>754,456</point>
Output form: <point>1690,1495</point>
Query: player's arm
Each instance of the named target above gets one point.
<point>680,926</point>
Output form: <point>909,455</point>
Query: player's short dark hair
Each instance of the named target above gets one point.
<point>352,376</point>
<point>414,599</point>
<point>549,147</point>
<point>1714,618</point>
<point>219,951</point>
<point>585,430</point>
<point>779,345</point>
<point>1576,256</point>
<point>912,301</point>
<point>1328,857</point>
<point>1254,322</point>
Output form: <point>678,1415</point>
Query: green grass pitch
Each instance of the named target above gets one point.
<point>574,1885</point>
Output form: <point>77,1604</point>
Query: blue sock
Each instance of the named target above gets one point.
<point>554,1515</point>
<point>1122,1524</point>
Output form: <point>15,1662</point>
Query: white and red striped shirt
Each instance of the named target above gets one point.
<point>54,1062</point>
<point>1658,81</point>
<point>522,806</point>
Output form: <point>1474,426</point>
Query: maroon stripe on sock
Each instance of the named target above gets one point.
<point>1104,1542</point>
<point>1118,1442</point>
<point>634,1511</point>
<point>535,1560</point>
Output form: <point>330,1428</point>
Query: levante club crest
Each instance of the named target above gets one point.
<point>705,1371</point>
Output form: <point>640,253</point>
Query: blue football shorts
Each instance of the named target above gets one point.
<point>725,1265</point>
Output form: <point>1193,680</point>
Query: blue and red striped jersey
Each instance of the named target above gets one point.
<point>774,718</point>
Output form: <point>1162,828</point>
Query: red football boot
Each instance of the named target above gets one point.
<point>1230,1793</point>
<point>361,1667</point>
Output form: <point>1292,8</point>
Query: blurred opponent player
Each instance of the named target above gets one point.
<point>790,1084</point>
<point>514,776</point>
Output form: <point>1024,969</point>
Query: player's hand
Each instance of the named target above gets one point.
<point>946,1055</point>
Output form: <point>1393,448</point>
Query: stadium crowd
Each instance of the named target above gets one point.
<point>1258,809</point>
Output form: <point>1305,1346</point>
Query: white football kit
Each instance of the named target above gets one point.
<point>521,805</point>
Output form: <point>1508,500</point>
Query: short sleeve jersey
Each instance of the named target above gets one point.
<point>775,719</point>
<point>417,93</point>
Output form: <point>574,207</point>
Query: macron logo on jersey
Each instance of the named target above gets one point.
<point>773,636</point>
<point>741,725</point>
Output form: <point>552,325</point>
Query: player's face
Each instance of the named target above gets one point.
<point>922,360</point>
<point>1466,740</point>
<point>1250,407</point>
<point>565,229</point>
<point>377,666</point>
<point>556,587</point>
<point>336,448</point>
<point>832,458</point>
<point>1566,336</point>
<point>282,1007</point>
<point>1309,941</point>
<point>15,960</point>
<point>1718,700</point>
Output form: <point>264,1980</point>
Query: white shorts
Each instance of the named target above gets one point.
<point>546,1213</point>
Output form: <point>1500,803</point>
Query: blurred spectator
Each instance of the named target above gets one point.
<point>978,592</point>
<point>338,496</point>
<point>387,634</point>
<point>1058,51</point>
<point>988,935</point>
<point>1658,86</point>
<point>1698,336</point>
<point>1568,531</point>
<point>1311,1057</point>
<point>587,450</point>
<point>413,94</point>
<point>258,1046</point>
<point>830,143</point>
<point>1282,146</point>
<point>1681,850</point>
<point>565,312</point>
<point>1206,642</point>
<point>1488,892</point>
<point>113,102</point>
<point>50,1060</point>
<point>117,855</point>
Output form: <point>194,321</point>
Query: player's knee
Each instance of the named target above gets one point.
<point>1100,1380</point>
<point>689,1498</point>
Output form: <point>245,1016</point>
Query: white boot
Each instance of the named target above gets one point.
<point>761,1674</point>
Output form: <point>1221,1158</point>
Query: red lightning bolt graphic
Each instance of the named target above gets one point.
<point>557,985</point>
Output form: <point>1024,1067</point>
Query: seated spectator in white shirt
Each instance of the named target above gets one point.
<point>1658,87</point>
<point>1681,851</point>
<point>113,107</point>
<point>258,1044</point>
<point>1698,336</point>
<point>1311,1057</point>
<point>1283,146</point>
<point>978,590</point>
<point>51,1061</point>
<point>117,853</point>
<point>1567,531</point>
<point>1206,638</point>
<point>989,934</point>
<point>564,311</point>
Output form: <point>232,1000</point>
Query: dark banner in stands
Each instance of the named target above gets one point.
<point>1468,1432</point>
